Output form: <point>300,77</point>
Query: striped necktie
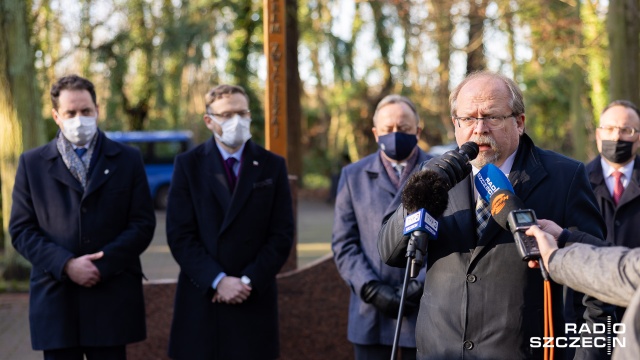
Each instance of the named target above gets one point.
<point>483,212</point>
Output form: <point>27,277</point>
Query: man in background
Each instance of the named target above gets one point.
<point>615,174</point>
<point>82,214</point>
<point>369,190</point>
<point>230,228</point>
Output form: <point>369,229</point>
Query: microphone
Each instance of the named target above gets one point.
<point>426,196</point>
<point>508,210</point>
<point>453,165</point>
<point>489,180</point>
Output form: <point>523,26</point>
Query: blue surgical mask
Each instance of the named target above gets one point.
<point>397,145</point>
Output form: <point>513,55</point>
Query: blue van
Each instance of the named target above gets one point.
<point>159,149</point>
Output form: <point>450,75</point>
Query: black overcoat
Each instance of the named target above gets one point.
<point>210,230</point>
<point>622,220</point>
<point>53,220</point>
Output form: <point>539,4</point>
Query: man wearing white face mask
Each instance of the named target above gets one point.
<point>82,214</point>
<point>230,228</point>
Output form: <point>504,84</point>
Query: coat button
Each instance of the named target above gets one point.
<point>617,222</point>
<point>471,278</point>
<point>85,240</point>
<point>468,345</point>
<point>84,210</point>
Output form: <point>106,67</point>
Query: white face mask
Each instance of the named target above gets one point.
<point>235,131</point>
<point>80,129</point>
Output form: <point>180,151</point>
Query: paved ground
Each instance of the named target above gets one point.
<point>315,220</point>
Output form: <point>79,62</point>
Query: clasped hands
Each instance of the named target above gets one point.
<point>386,298</point>
<point>83,271</point>
<point>231,290</point>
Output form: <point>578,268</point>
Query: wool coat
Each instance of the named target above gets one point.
<point>211,230</point>
<point>54,220</point>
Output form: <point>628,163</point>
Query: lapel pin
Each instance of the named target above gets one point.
<point>106,171</point>
<point>255,163</point>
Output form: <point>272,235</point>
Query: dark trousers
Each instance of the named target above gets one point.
<point>92,353</point>
<point>382,352</point>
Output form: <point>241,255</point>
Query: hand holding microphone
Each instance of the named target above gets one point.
<point>426,196</point>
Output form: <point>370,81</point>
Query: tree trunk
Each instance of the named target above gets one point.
<point>623,29</point>
<point>443,35</point>
<point>20,116</point>
<point>475,48</point>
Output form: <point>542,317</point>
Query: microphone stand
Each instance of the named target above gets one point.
<point>416,251</point>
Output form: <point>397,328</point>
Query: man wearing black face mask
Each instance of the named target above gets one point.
<point>369,190</point>
<point>615,174</point>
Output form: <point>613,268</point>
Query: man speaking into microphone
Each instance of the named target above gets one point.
<point>481,301</point>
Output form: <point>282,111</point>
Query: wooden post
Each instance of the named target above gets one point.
<point>275,117</point>
<point>275,44</point>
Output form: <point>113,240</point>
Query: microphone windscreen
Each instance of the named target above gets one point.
<point>502,203</point>
<point>489,180</point>
<point>470,149</point>
<point>426,190</point>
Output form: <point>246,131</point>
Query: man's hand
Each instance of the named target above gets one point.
<point>231,290</point>
<point>383,297</point>
<point>82,271</point>
<point>546,243</point>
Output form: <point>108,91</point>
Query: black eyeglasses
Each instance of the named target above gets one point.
<point>492,122</point>
<point>229,114</point>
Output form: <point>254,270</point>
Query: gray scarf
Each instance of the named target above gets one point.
<point>77,166</point>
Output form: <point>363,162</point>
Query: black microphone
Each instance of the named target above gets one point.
<point>453,166</point>
<point>426,197</point>
<point>428,188</point>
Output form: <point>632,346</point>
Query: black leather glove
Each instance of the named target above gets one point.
<point>412,297</point>
<point>451,166</point>
<point>383,297</point>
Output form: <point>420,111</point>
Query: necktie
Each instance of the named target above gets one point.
<point>80,152</point>
<point>232,175</point>
<point>618,188</point>
<point>399,168</point>
<point>483,212</point>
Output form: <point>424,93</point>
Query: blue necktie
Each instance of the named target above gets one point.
<point>80,152</point>
<point>232,175</point>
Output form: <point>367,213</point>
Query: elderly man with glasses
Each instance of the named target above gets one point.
<point>481,301</point>
<point>615,173</point>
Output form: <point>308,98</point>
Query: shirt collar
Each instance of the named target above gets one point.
<point>505,167</point>
<point>225,154</point>
<point>626,170</point>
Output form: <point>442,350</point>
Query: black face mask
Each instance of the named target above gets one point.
<point>617,151</point>
<point>397,145</point>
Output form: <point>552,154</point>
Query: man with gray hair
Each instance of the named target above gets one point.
<point>368,191</point>
<point>481,301</point>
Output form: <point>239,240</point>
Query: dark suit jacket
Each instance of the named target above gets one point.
<point>365,197</point>
<point>482,301</point>
<point>248,233</point>
<point>622,221</point>
<point>53,220</point>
